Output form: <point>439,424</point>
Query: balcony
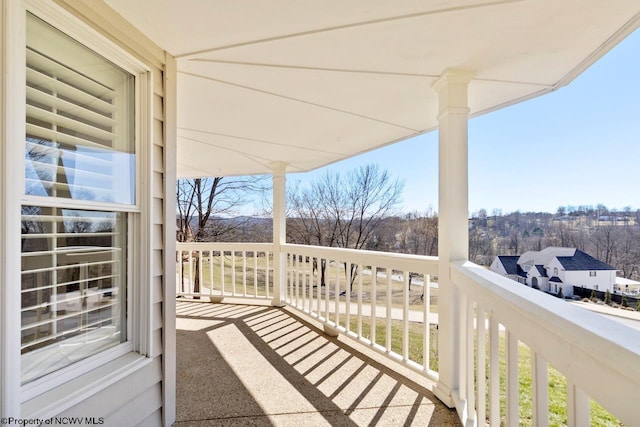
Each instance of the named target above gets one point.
<point>512,355</point>
<point>262,365</point>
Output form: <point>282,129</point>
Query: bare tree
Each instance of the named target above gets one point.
<point>606,241</point>
<point>628,255</point>
<point>205,204</point>
<point>343,211</point>
<point>420,233</point>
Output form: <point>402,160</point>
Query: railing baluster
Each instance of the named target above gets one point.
<point>347,299</point>
<point>255,273</point>
<point>337,292</point>
<point>268,256</point>
<point>481,361</point>
<point>292,278</point>
<point>494,372</point>
<point>200,271</point>
<point>578,406</point>
<point>316,281</point>
<point>326,289</point>
<point>360,300</point>
<point>304,285</point>
<point>181,271</point>
<point>222,272</point>
<point>513,393</point>
<point>374,298</point>
<point>539,390</point>
<point>301,280</point>
<point>289,276</point>
<point>471,398</point>
<point>244,273</point>
<point>233,273</point>
<point>191,281</point>
<point>462,346</point>
<point>210,273</point>
<point>426,342</point>
<point>389,300</point>
<point>405,316</point>
<point>296,275</point>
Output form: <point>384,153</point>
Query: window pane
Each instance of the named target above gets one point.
<point>80,121</point>
<point>73,286</point>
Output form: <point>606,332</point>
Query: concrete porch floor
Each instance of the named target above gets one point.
<point>256,365</point>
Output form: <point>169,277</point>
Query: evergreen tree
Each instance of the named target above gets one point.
<point>607,297</point>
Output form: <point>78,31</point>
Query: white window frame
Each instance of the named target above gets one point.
<point>139,338</point>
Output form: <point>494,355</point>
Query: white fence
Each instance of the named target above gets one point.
<point>367,296</point>
<point>208,270</point>
<point>598,357</point>
<point>512,342</point>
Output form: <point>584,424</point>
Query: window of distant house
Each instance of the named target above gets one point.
<point>79,196</point>
<point>592,274</point>
<point>555,271</point>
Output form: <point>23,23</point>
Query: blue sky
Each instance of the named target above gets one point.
<point>577,146</point>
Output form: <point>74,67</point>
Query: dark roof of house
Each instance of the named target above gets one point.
<point>582,261</point>
<point>555,279</point>
<point>510,263</point>
<point>541,270</point>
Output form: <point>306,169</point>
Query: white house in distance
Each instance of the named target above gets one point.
<point>554,268</point>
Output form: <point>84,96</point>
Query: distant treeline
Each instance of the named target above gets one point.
<point>610,236</point>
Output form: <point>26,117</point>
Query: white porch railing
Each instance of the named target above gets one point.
<point>366,296</point>
<point>598,357</point>
<point>216,270</point>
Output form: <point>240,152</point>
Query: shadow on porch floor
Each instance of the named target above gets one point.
<point>258,365</point>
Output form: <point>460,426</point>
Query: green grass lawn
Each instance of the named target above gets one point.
<point>557,382</point>
<point>416,338</point>
<point>557,392</point>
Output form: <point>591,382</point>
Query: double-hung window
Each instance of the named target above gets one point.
<point>79,202</point>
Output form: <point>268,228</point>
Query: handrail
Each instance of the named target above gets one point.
<point>227,246</point>
<point>421,263</point>
<point>597,355</point>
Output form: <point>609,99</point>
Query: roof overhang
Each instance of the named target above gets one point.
<point>311,83</point>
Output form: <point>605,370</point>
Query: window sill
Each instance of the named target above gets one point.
<point>70,393</point>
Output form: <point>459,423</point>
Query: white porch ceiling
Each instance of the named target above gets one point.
<point>313,82</point>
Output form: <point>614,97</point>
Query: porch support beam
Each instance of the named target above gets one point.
<point>453,229</point>
<point>279,230</point>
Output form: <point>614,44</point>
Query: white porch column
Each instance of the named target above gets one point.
<point>279,230</point>
<point>453,229</point>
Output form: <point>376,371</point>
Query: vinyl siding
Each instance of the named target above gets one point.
<point>110,401</point>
